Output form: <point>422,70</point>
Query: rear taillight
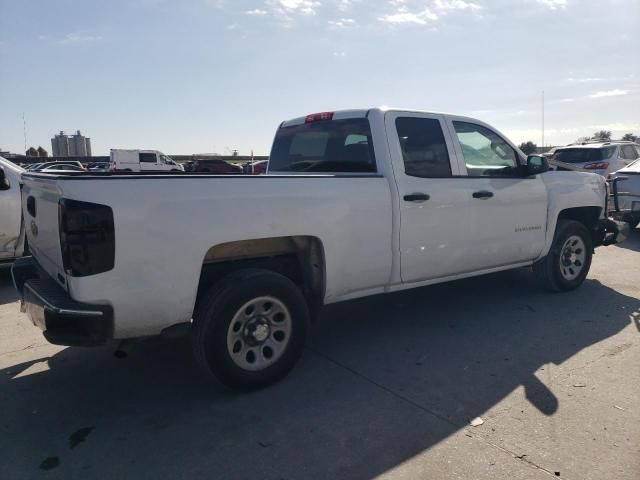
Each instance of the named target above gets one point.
<point>318,117</point>
<point>597,166</point>
<point>87,237</point>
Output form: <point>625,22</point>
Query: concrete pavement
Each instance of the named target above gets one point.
<point>386,389</point>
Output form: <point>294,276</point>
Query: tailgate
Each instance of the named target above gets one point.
<point>40,197</point>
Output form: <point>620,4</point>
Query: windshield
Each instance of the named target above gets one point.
<point>583,155</point>
<point>324,146</point>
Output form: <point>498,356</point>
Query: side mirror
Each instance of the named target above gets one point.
<point>4,183</point>
<point>536,164</point>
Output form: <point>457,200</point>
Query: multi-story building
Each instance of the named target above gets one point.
<point>75,145</point>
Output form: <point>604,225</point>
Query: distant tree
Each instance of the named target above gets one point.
<point>528,147</point>
<point>630,137</point>
<point>582,139</point>
<point>602,135</point>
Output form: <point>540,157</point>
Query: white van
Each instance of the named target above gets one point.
<point>142,161</point>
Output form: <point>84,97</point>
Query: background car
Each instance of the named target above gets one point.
<point>42,166</point>
<point>99,167</point>
<point>216,166</point>
<point>595,157</point>
<point>629,197</point>
<point>62,168</point>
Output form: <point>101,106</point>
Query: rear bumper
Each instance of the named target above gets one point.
<point>62,320</point>
<point>610,231</point>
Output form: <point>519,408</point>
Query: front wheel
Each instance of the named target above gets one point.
<point>250,328</point>
<point>567,264</point>
<point>632,220</point>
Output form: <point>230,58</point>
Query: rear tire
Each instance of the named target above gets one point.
<point>250,328</point>
<point>567,264</point>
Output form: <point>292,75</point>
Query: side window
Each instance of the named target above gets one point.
<point>147,157</point>
<point>424,149</point>
<point>628,152</point>
<point>485,153</point>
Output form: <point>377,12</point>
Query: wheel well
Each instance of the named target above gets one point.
<point>588,216</point>
<point>299,258</point>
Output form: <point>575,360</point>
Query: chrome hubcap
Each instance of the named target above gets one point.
<point>259,333</point>
<point>572,257</point>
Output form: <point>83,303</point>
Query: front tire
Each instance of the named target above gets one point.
<point>567,264</point>
<point>632,220</point>
<point>250,328</point>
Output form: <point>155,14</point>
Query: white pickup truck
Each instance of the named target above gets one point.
<point>355,203</point>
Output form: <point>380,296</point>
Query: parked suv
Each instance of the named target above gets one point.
<point>595,157</point>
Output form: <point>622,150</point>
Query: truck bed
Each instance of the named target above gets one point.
<point>168,223</point>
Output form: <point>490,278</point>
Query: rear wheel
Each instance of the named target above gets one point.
<point>250,328</point>
<point>567,264</point>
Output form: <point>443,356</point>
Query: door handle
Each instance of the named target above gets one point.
<point>483,194</point>
<point>416,197</point>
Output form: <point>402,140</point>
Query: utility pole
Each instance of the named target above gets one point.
<point>542,118</point>
<point>24,132</point>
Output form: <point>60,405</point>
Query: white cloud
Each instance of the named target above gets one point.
<point>256,12</point>
<point>554,4</point>
<point>76,38</point>
<point>456,5</point>
<point>344,5</point>
<point>342,23</point>
<point>584,80</point>
<point>429,12</point>
<point>609,93</point>
<point>403,16</point>
<point>305,7</point>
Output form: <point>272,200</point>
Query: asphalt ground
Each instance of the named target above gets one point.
<point>387,388</point>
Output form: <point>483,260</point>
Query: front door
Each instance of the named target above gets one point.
<point>507,212</point>
<point>434,233</point>
<point>148,161</point>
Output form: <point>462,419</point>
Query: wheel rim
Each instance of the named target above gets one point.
<point>259,333</point>
<point>572,257</point>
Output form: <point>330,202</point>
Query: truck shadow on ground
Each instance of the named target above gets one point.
<point>384,378</point>
<point>7,295</point>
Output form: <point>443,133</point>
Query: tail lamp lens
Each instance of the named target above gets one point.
<point>87,237</point>
<point>597,166</point>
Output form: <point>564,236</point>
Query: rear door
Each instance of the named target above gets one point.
<point>507,212</point>
<point>434,233</point>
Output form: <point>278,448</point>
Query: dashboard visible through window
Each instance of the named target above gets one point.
<point>485,153</point>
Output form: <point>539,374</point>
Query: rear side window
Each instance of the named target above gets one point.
<point>147,157</point>
<point>424,149</point>
<point>628,152</point>
<point>332,146</point>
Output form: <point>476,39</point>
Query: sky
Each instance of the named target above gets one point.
<point>204,76</point>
